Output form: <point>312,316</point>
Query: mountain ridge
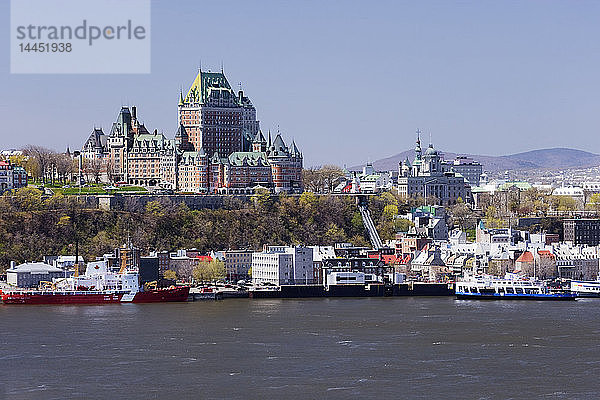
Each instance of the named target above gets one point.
<point>550,158</point>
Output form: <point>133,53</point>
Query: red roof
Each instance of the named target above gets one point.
<point>525,257</point>
<point>388,258</point>
<point>545,253</point>
<point>404,260</point>
<point>205,258</point>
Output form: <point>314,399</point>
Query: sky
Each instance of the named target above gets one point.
<point>349,81</point>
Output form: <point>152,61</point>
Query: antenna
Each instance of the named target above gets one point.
<point>429,137</point>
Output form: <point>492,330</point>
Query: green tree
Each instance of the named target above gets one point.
<point>566,203</point>
<point>209,270</point>
<point>170,274</point>
<point>594,203</point>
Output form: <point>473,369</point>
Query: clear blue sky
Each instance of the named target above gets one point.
<point>349,81</point>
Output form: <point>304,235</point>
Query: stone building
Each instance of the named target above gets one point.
<point>238,264</point>
<point>29,275</point>
<point>428,176</point>
<point>214,116</point>
<point>582,231</point>
<point>11,176</point>
<point>218,147</point>
<point>152,160</point>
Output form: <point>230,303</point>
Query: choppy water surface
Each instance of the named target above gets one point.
<point>302,349</point>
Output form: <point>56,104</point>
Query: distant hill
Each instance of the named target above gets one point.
<point>557,158</point>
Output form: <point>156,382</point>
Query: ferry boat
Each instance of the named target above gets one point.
<point>586,288</point>
<point>511,287</point>
<point>96,286</point>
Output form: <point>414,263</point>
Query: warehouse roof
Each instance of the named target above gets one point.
<point>34,268</point>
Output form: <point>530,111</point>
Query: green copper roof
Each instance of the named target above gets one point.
<point>251,158</point>
<point>198,92</point>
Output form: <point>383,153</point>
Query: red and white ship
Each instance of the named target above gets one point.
<point>97,286</point>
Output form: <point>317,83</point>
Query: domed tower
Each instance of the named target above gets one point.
<point>431,160</point>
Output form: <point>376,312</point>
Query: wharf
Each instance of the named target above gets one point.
<point>373,290</point>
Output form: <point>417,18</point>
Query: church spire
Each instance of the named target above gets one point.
<point>418,146</point>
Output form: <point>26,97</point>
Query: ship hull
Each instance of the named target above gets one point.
<point>538,297</point>
<point>61,298</point>
<point>177,294</point>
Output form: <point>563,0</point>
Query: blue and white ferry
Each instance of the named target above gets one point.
<point>511,287</point>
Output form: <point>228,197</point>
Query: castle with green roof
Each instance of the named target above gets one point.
<point>218,146</point>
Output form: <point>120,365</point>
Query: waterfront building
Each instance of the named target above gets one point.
<point>65,262</point>
<point>577,262</point>
<point>281,265</point>
<point>429,265</point>
<point>428,176</point>
<point>238,264</point>
<point>149,270</point>
<point>582,231</point>
<point>29,275</point>
<point>320,254</point>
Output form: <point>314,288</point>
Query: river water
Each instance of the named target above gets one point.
<point>402,347</point>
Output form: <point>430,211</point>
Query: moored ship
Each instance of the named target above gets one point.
<point>511,287</point>
<point>96,286</point>
<point>586,288</point>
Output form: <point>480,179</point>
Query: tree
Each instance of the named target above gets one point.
<point>92,169</point>
<point>170,275</point>
<point>567,203</point>
<point>594,203</point>
<point>311,180</point>
<point>330,174</point>
<point>64,166</point>
<point>460,214</point>
<point>323,179</point>
<point>263,199</point>
<point>209,270</point>
<point>41,158</point>
<point>403,225</point>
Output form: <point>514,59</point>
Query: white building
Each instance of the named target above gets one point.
<point>282,265</point>
<point>64,262</point>
<point>574,192</point>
